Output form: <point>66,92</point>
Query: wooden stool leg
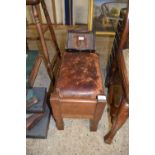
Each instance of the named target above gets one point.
<point>97,116</point>
<point>57,112</point>
<point>122,116</point>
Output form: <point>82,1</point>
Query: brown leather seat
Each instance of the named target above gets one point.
<point>79,76</point>
<point>78,91</point>
<point>32,2</point>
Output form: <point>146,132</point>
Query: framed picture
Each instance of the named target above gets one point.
<point>104,15</point>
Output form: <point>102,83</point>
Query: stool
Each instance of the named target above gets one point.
<point>78,91</point>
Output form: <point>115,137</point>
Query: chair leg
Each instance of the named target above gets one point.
<point>113,113</point>
<point>122,116</point>
<point>110,99</point>
<point>97,115</point>
<point>57,112</point>
<point>114,106</point>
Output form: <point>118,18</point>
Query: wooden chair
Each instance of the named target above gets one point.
<point>78,91</point>
<point>34,59</point>
<point>50,66</point>
<point>118,76</point>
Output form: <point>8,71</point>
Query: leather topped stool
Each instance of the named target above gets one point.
<point>79,90</point>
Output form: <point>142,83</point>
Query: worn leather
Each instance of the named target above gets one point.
<point>79,76</point>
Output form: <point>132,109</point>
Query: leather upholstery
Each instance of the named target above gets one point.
<point>79,76</point>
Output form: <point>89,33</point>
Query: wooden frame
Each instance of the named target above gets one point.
<point>76,108</point>
<point>109,18</point>
<point>119,111</point>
